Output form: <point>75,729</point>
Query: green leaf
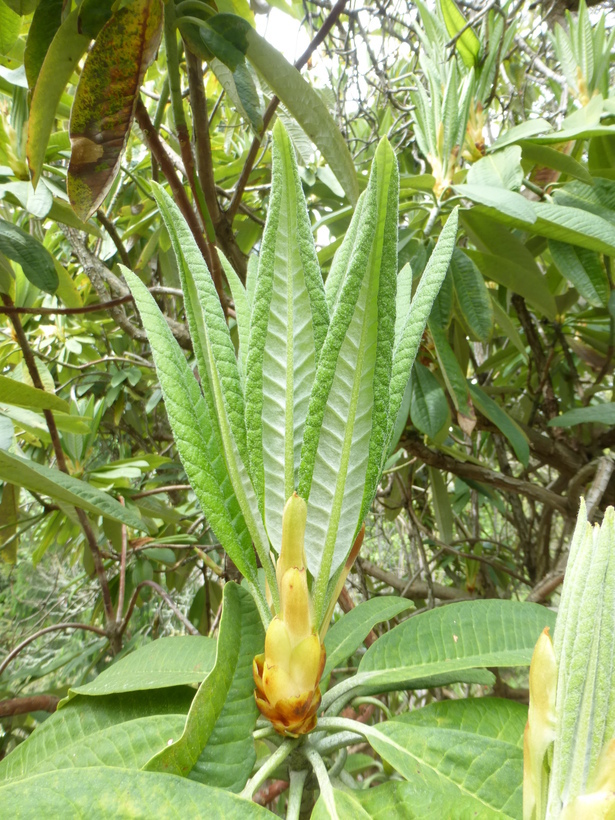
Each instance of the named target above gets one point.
<point>441,505</point>
<point>45,23</point>
<point>194,432</point>
<point>289,324</point>
<point>503,422</point>
<point>58,485</point>
<point>240,87</point>
<point>472,296</point>
<point>23,395</point>
<point>217,743</point>
<point>454,638</point>
<point>584,269</point>
<point>10,26</point>
<point>501,200</point>
<point>499,169</point>
<point>542,155</point>
<point>467,43</point>
<point>348,412</point>
<point>517,277</point>
<point>429,410</point>
<point>93,14</point>
<point>62,58</point>
<point>416,319</point>
<point>36,262</point>
<point>523,131</point>
<point>452,373</point>
<point>106,98</point>
<point>307,108</point>
<point>349,632</point>
<point>598,413</point>
<point>110,791</point>
<point>9,508</point>
<point>469,769</point>
<point>180,660</point>
<point>243,312</point>
<point>341,260</point>
<point>107,731</point>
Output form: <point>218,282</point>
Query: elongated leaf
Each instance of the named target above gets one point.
<point>108,791</point>
<point>347,416</point>
<point>472,296</point>
<point>503,422</point>
<point>599,413</point>
<point>228,758</point>
<point>467,43</point>
<point>58,485</point>
<point>403,299</point>
<point>10,24</point>
<point>307,108</point>
<point>452,373</point>
<point>414,325</point>
<point>458,636</point>
<point>441,505</point>
<point>505,202</point>
<point>289,324</point>
<point>36,262</point>
<point>106,98</point>
<point>518,278</point>
<point>584,269</point>
<point>523,131</point>
<point>9,511</point>
<point>347,634</point>
<point>180,660</point>
<point>63,55</point>
<point>341,260</point>
<point>107,731</point>
<point>193,426</point>
<point>220,382</point>
<point>429,410</point>
<point>45,22</point>
<point>217,740</point>
<point>242,311</point>
<point>542,155</point>
<point>22,395</point>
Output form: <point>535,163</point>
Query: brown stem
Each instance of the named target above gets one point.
<point>87,627</point>
<point>221,223</point>
<point>166,597</point>
<point>115,237</point>
<point>122,581</point>
<point>415,447</point>
<point>155,145</point>
<point>271,792</point>
<point>41,311</point>
<point>418,589</point>
<point>59,453</point>
<point>22,706</point>
<point>326,27</point>
<point>171,488</point>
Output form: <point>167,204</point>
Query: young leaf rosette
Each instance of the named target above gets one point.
<point>284,438</point>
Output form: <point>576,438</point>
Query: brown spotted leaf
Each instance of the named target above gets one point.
<point>106,98</point>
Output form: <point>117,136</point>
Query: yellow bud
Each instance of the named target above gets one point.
<point>292,553</point>
<point>278,684</point>
<point>296,604</point>
<point>305,667</point>
<point>277,644</point>
<point>540,729</point>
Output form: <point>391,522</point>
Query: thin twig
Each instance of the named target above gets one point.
<point>326,27</point>
<point>56,627</point>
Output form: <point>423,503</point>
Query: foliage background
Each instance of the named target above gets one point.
<point>483,486</point>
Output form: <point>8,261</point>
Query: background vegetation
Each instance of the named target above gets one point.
<point>510,409</point>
